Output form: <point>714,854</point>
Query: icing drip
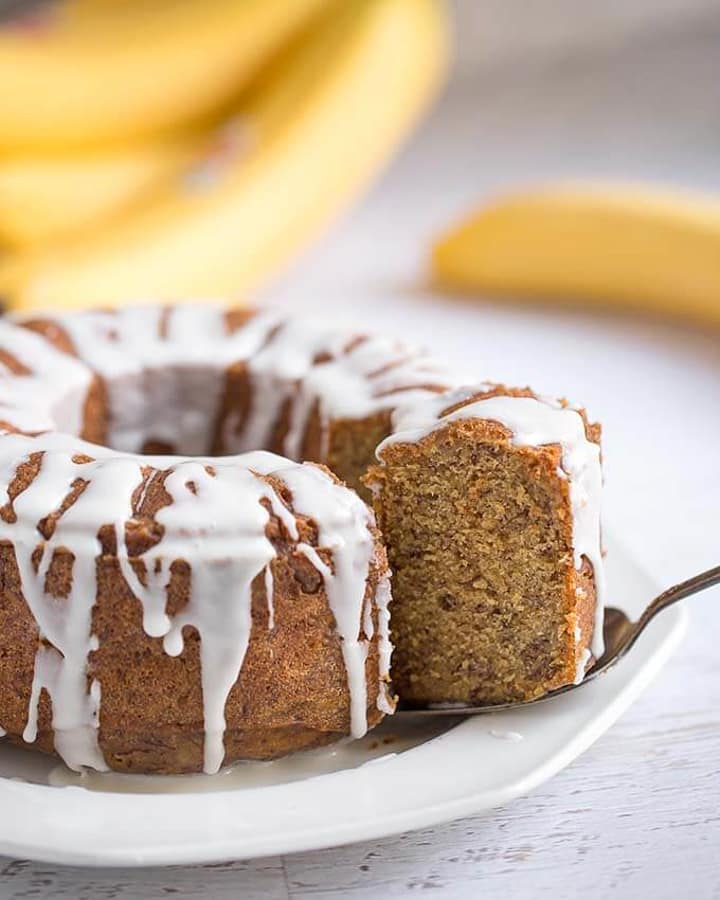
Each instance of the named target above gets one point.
<point>274,370</point>
<point>308,367</point>
<point>342,525</point>
<point>583,660</point>
<point>222,576</point>
<point>269,594</point>
<point>215,522</point>
<point>66,623</point>
<point>533,423</point>
<point>164,371</point>
<point>385,647</point>
<point>583,653</point>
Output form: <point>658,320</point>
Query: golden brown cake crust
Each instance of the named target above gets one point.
<point>292,692</point>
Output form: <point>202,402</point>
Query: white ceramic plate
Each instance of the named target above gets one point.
<point>407,774</point>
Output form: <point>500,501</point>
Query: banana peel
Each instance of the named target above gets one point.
<point>614,245</point>
<point>327,118</point>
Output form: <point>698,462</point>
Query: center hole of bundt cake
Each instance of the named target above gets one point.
<point>184,410</point>
<point>201,410</point>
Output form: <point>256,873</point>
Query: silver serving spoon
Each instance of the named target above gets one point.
<point>620,635</point>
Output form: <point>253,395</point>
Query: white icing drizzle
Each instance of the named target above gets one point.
<point>215,520</point>
<point>385,648</point>
<point>218,527</point>
<point>533,423</point>
<point>345,584</point>
<point>310,366</point>
<point>66,623</point>
<point>275,371</point>
<point>269,594</point>
<point>164,368</point>
<point>52,394</point>
<point>216,523</point>
<point>165,371</point>
<point>582,661</point>
<point>583,654</point>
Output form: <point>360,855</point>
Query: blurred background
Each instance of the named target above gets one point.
<point>179,148</point>
<point>309,154</point>
<point>494,32</point>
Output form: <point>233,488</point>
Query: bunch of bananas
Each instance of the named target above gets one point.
<point>189,147</point>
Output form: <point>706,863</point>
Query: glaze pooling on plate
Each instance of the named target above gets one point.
<point>533,422</point>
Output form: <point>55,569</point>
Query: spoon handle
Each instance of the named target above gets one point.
<point>693,585</point>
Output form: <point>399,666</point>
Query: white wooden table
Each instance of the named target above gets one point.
<point>639,814</point>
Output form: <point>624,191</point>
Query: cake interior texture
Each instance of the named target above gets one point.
<point>488,606</point>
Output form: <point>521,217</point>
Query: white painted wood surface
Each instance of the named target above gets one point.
<point>639,814</point>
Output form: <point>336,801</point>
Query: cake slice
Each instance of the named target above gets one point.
<point>488,498</point>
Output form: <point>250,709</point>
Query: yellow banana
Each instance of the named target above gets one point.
<point>325,120</point>
<point>44,198</point>
<point>619,245</point>
<point>79,73</point>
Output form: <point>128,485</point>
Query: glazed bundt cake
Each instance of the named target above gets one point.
<point>169,614</point>
<point>488,499</point>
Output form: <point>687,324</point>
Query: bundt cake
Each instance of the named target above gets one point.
<point>171,613</point>
<point>488,499</point>
<point>166,614</point>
